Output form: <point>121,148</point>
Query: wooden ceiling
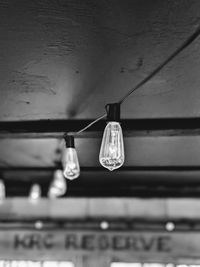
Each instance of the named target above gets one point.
<point>61,61</point>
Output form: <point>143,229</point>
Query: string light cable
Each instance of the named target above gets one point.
<point>114,110</point>
<point>185,44</point>
<point>92,123</point>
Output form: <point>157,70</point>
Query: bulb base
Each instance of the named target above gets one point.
<point>113,112</point>
<point>69,140</point>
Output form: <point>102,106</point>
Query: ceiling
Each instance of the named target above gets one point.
<point>63,60</point>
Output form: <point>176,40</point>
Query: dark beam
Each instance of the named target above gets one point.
<point>101,170</point>
<point>132,224</point>
<point>133,127</point>
<point>136,191</point>
<point>22,190</point>
<point>95,224</point>
<point>145,182</point>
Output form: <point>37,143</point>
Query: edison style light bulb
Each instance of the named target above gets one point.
<point>2,191</point>
<point>71,168</point>
<point>111,154</point>
<point>35,192</point>
<point>112,147</point>
<point>58,186</point>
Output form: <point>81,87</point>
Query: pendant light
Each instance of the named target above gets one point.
<point>111,154</point>
<point>58,186</point>
<point>71,168</point>
<point>35,193</point>
<point>2,191</point>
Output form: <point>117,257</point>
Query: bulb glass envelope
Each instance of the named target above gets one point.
<point>111,154</point>
<point>58,186</point>
<point>71,168</point>
<point>35,192</point>
<point>2,191</point>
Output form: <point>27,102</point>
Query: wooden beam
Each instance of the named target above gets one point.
<point>146,182</point>
<point>133,127</point>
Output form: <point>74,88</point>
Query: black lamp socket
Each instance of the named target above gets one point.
<point>69,140</point>
<point>113,112</point>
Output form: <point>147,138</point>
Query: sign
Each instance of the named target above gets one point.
<point>92,242</point>
<point>61,244</point>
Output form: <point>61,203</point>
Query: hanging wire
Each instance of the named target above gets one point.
<point>185,44</point>
<point>93,122</point>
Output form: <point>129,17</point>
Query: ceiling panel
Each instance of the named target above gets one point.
<point>67,59</point>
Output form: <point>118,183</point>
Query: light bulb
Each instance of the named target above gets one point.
<point>2,191</point>
<point>58,186</point>
<point>111,154</point>
<point>169,226</point>
<point>35,192</point>
<point>71,168</point>
<point>112,147</point>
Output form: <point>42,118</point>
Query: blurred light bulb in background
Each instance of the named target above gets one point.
<point>111,154</point>
<point>38,225</point>
<point>2,191</point>
<point>170,226</point>
<point>35,192</point>
<point>71,168</point>
<point>58,186</point>
<point>104,225</point>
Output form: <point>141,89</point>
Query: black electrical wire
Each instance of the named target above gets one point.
<point>184,45</point>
